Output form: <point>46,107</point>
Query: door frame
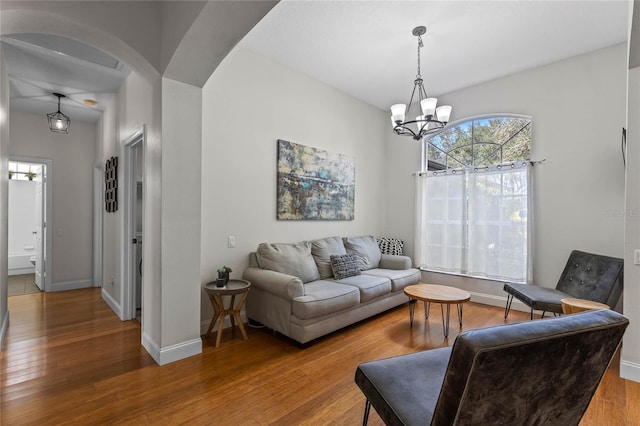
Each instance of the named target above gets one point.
<point>48,214</point>
<point>128,224</point>
<point>98,206</point>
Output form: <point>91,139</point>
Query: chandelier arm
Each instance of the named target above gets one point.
<point>411,100</point>
<point>423,92</point>
<point>401,129</point>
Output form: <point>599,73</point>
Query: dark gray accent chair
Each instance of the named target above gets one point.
<point>528,373</point>
<point>586,276</point>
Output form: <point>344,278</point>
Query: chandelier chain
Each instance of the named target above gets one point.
<point>420,44</point>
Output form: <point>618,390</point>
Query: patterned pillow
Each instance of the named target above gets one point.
<point>344,265</point>
<point>390,245</point>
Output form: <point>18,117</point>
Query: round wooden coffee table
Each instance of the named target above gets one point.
<point>573,306</point>
<point>433,293</point>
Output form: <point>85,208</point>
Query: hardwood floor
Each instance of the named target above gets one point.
<point>68,359</point>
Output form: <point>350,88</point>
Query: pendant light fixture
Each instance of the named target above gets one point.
<point>433,118</point>
<point>58,122</point>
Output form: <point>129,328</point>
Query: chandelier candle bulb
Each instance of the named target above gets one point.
<point>397,112</point>
<point>429,106</point>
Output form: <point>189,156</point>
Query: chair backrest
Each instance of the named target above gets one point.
<point>592,277</point>
<point>535,372</point>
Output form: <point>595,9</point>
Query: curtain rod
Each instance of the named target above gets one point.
<point>499,166</point>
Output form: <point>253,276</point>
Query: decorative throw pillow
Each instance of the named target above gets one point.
<point>390,245</point>
<point>344,265</point>
<point>322,250</point>
<point>366,250</point>
<point>291,259</point>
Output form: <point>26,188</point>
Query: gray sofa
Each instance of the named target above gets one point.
<point>308,289</point>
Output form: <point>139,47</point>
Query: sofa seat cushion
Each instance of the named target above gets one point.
<point>370,286</point>
<point>322,250</point>
<point>399,278</point>
<point>324,297</point>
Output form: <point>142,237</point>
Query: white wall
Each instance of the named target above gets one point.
<point>4,194</point>
<point>22,216</point>
<point>181,179</point>
<point>630,357</point>
<point>136,106</point>
<point>248,104</point>
<point>578,110</point>
<point>73,156</point>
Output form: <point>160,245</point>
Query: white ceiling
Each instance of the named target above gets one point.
<point>366,49</point>
<point>39,65</point>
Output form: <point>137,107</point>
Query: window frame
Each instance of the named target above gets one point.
<point>430,165</point>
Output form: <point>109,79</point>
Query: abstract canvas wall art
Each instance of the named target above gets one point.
<point>314,184</point>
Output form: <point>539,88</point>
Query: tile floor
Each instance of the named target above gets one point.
<point>22,284</point>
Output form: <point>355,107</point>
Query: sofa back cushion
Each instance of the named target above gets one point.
<point>291,259</point>
<point>366,250</point>
<point>322,250</point>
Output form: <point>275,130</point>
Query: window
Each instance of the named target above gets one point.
<point>23,171</point>
<point>474,198</point>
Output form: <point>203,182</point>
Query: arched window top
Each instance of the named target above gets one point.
<point>480,141</point>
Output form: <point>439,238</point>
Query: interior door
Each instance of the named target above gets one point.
<point>40,225</point>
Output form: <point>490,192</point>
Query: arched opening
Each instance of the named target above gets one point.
<point>119,124</point>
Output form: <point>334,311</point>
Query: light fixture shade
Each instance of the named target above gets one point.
<point>429,106</point>
<point>421,120</point>
<point>397,112</point>
<point>444,113</point>
<point>58,122</point>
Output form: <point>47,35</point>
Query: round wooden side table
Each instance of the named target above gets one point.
<point>573,306</point>
<point>433,293</point>
<point>233,288</point>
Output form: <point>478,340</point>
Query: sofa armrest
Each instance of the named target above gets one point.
<point>393,261</point>
<point>277,283</point>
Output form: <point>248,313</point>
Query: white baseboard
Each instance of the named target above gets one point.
<point>204,325</point>
<point>630,370</point>
<point>113,304</point>
<point>71,285</point>
<point>171,353</point>
<point>4,326</point>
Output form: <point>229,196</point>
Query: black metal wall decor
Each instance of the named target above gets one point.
<point>111,185</point>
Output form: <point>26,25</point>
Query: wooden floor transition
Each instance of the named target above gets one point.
<point>68,359</point>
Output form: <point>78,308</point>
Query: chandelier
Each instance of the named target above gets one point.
<point>58,122</point>
<point>432,120</point>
